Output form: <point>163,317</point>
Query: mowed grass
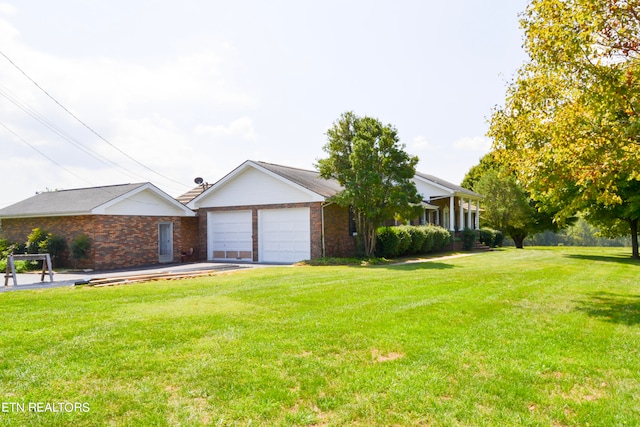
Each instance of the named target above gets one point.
<point>536,337</point>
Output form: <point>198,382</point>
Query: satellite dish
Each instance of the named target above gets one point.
<point>198,180</point>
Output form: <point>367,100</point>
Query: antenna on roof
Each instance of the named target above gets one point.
<point>201,182</point>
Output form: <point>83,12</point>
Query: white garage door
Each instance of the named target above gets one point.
<point>284,235</point>
<point>229,235</point>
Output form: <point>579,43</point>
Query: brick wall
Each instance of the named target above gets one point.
<point>191,237</point>
<point>18,229</point>
<point>117,241</point>
<point>338,240</point>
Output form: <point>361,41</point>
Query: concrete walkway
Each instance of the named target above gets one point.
<point>31,281</point>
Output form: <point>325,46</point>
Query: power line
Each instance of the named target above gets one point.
<point>103,188</point>
<point>86,125</point>
<point>43,120</point>
<point>42,153</point>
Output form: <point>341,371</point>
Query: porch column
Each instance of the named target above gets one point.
<point>469,224</point>
<point>461,215</point>
<point>477,214</point>
<point>452,214</point>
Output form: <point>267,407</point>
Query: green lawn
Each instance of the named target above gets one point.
<point>536,337</point>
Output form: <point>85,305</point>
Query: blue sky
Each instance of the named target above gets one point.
<point>194,88</point>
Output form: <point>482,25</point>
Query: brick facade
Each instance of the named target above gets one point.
<point>117,241</point>
<point>338,241</point>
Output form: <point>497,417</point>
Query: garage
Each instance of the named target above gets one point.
<point>230,236</point>
<point>284,235</point>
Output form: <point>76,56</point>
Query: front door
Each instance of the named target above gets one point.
<point>165,242</point>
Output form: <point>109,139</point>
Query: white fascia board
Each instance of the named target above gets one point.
<point>447,190</point>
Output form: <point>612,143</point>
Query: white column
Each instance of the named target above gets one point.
<point>469,224</point>
<point>461,214</point>
<point>452,214</point>
<point>477,214</point>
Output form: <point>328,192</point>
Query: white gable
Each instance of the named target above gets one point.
<point>252,186</point>
<point>429,190</point>
<point>146,202</point>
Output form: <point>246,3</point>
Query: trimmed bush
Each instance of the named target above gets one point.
<point>404,237</point>
<point>418,237</point>
<point>388,243</point>
<point>441,238</point>
<point>487,236</point>
<point>427,245</point>
<point>491,237</point>
<point>411,240</point>
<point>468,239</point>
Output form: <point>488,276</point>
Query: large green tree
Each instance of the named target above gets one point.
<point>368,160</point>
<point>508,207</point>
<point>570,127</point>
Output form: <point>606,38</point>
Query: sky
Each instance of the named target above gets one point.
<point>111,92</point>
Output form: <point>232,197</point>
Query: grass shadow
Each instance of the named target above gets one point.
<point>412,266</point>
<point>605,258</point>
<point>614,308</point>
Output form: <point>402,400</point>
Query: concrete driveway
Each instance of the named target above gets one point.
<point>30,281</point>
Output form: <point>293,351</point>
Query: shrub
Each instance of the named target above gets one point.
<point>54,245</point>
<point>487,236</point>
<point>468,238</point>
<point>427,245</point>
<point>498,239</point>
<point>388,243</point>
<point>418,237</point>
<point>80,248</point>
<point>441,238</point>
<point>403,240</point>
<point>404,237</point>
<point>35,240</point>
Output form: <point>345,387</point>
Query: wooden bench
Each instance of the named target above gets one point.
<point>11,266</point>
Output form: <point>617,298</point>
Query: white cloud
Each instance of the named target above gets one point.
<point>240,128</point>
<point>474,144</point>
<point>421,143</point>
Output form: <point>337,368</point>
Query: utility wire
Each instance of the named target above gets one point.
<point>56,130</point>
<point>103,188</point>
<point>86,125</point>
<point>42,153</point>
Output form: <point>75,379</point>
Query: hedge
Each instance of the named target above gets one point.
<point>490,237</point>
<point>411,240</point>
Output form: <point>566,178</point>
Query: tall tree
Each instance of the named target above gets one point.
<point>570,127</point>
<point>508,207</point>
<point>368,160</point>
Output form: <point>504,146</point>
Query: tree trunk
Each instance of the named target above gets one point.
<point>634,239</point>
<point>518,237</point>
